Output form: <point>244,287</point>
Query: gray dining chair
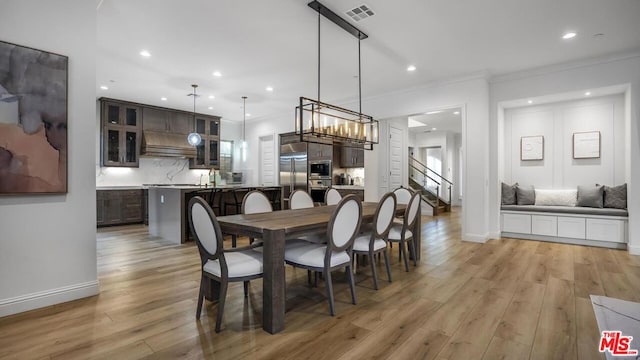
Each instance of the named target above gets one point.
<point>375,240</point>
<point>256,202</point>
<point>402,233</point>
<point>218,264</point>
<point>337,253</point>
<point>332,196</point>
<point>300,199</point>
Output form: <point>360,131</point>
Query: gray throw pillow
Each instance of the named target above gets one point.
<point>590,196</point>
<point>615,197</point>
<point>509,194</point>
<point>526,195</point>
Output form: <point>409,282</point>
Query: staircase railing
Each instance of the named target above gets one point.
<point>430,174</point>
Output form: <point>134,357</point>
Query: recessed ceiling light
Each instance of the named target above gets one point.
<point>248,114</point>
<point>569,35</point>
<point>104,87</point>
<point>210,108</point>
<point>211,97</point>
<point>269,88</point>
<point>163,98</point>
<point>456,113</point>
<point>588,93</point>
<point>434,129</point>
<point>217,74</point>
<point>145,53</point>
<point>530,101</point>
<point>434,112</point>
<point>411,68</point>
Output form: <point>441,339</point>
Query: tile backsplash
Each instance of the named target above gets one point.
<point>151,171</point>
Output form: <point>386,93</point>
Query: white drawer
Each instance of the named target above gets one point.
<point>571,227</point>
<point>516,223</point>
<point>544,225</point>
<point>606,230</point>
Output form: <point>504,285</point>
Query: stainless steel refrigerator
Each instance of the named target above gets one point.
<point>293,169</point>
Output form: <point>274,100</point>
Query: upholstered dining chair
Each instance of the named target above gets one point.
<point>403,195</point>
<point>375,241</point>
<point>401,233</point>
<point>300,199</point>
<point>332,196</point>
<point>218,264</point>
<point>337,253</point>
<point>255,202</point>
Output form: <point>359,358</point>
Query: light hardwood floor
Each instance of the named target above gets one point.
<point>505,299</point>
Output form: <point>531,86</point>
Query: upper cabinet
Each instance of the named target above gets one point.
<point>351,157</point>
<point>208,151</point>
<point>125,124</point>
<point>317,151</point>
<point>121,135</point>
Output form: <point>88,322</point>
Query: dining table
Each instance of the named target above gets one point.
<point>275,228</point>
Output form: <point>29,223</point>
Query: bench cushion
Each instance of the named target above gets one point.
<point>567,210</point>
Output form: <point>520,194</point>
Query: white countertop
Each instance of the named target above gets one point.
<point>348,187</point>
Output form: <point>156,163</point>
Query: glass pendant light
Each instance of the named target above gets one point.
<point>194,138</point>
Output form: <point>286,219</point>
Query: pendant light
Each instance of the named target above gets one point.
<point>243,145</point>
<point>194,138</point>
<point>318,121</point>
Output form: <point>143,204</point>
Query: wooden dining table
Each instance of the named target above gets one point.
<point>275,228</point>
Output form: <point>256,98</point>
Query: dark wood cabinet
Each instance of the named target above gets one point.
<point>351,157</point>
<point>317,151</point>
<point>164,120</point>
<point>121,134</point>
<point>208,152</point>
<point>358,193</point>
<point>118,207</point>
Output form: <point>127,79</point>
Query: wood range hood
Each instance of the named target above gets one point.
<point>165,144</point>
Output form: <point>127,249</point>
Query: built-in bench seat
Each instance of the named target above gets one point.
<point>567,210</point>
<point>604,227</point>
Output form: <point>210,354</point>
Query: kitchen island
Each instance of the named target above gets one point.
<point>168,206</point>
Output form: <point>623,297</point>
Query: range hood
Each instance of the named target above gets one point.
<point>164,144</point>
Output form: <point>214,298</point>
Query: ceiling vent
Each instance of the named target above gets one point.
<point>360,13</point>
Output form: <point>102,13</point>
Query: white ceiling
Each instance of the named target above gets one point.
<point>442,120</point>
<point>256,44</point>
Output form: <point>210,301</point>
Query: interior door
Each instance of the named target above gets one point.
<point>267,161</point>
<point>395,157</point>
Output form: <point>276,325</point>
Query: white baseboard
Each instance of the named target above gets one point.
<point>633,249</point>
<point>41,299</point>
<point>494,235</point>
<point>475,238</point>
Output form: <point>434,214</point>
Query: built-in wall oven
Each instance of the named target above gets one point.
<point>320,169</point>
<point>317,188</point>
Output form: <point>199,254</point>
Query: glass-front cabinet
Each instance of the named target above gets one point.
<point>208,151</point>
<point>121,124</point>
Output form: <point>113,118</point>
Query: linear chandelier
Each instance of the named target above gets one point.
<point>317,121</point>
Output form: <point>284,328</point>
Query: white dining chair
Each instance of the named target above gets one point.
<point>256,202</point>
<point>337,253</point>
<point>300,199</point>
<point>403,196</point>
<point>332,196</point>
<point>402,233</point>
<point>375,240</point>
<point>218,264</point>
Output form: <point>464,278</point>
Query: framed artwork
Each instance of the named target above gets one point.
<point>33,121</point>
<point>532,148</point>
<point>586,145</point>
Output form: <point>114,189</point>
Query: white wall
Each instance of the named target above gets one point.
<point>470,94</point>
<point>48,243</point>
<point>575,77</point>
<point>449,142</point>
<point>162,170</point>
<point>557,122</point>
